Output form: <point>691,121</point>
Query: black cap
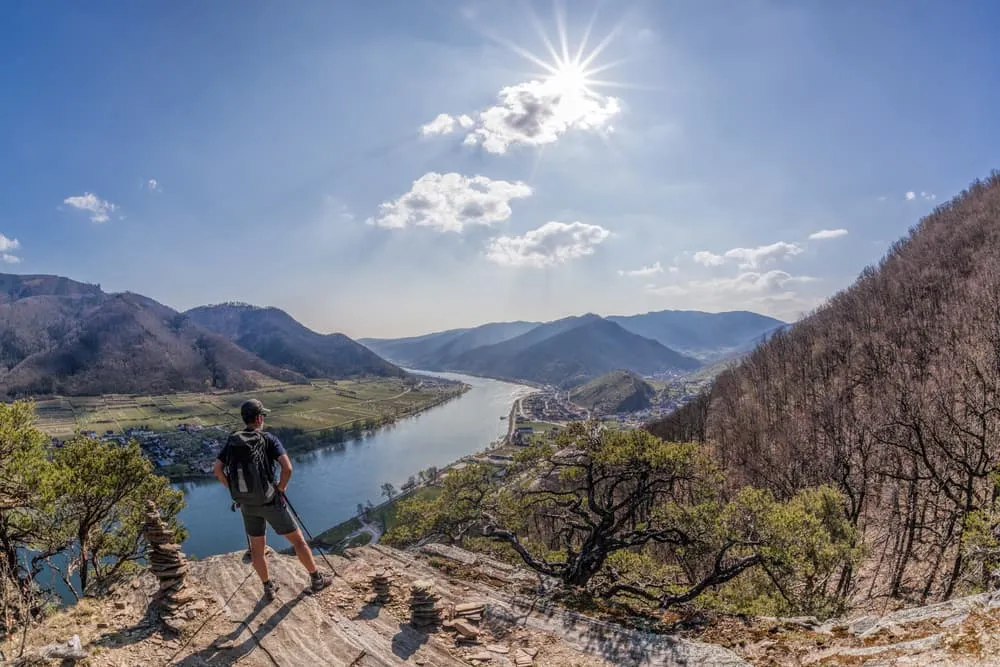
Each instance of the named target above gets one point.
<point>252,409</point>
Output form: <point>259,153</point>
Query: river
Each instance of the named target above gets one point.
<point>327,484</point>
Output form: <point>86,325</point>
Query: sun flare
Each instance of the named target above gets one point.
<point>569,78</point>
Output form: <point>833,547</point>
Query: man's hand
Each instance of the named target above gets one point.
<point>220,473</point>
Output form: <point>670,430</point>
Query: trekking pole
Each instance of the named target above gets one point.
<point>298,520</point>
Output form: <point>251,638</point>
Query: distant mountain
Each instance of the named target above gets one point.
<point>615,392</point>
<point>569,352</point>
<point>61,336</point>
<point>437,351</point>
<point>708,336</point>
<point>277,338</point>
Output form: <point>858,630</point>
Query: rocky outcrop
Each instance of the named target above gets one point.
<point>343,625</point>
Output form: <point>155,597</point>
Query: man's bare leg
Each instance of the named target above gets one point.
<point>258,545</point>
<point>302,550</point>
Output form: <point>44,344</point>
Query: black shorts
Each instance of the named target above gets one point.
<point>257,518</point>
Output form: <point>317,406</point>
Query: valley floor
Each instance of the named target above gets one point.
<point>181,433</point>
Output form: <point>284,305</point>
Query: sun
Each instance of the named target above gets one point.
<point>569,78</point>
<point>569,72</point>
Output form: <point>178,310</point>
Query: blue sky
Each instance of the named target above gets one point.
<point>392,168</point>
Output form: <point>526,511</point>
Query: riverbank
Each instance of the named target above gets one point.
<point>343,536</point>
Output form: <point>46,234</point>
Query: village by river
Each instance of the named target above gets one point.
<point>328,484</point>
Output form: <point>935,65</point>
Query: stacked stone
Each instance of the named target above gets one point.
<point>380,584</point>
<point>424,611</point>
<point>471,611</point>
<point>166,561</point>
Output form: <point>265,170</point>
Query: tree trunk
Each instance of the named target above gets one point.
<point>588,563</point>
<point>84,562</point>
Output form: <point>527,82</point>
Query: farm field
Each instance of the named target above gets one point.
<point>316,406</point>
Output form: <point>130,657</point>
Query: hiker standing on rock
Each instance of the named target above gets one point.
<point>245,466</point>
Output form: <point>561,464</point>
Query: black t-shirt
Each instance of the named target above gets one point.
<point>274,450</point>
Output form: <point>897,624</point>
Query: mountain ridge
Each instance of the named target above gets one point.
<point>279,339</point>
<point>61,336</point>
<point>571,351</point>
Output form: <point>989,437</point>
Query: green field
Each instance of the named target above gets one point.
<point>313,407</point>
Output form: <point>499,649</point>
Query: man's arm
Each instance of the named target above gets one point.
<point>286,472</point>
<point>220,473</point>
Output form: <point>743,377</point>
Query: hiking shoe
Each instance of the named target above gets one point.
<point>320,581</point>
<point>270,588</point>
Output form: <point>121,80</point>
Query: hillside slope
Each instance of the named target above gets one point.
<point>709,336</point>
<point>277,338</point>
<point>435,351</point>
<point>60,336</point>
<point>889,393</point>
<point>615,392</point>
<point>572,351</point>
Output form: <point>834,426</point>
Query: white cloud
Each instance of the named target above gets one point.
<point>645,271</point>
<point>752,258</point>
<point>450,202</point>
<point>825,234</point>
<point>532,113</point>
<point>99,208</point>
<point>910,196</point>
<point>6,245</point>
<point>443,124</point>
<point>748,282</point>
<point>551,244</point>
<point>709,258</point>
<point>153,185</point>
<point>926,196</point>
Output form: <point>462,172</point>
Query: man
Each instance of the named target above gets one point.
<point>261,503</point>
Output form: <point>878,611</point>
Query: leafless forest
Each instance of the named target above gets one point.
<point>889,391</point>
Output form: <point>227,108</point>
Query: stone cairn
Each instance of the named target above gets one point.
<point>166,561</point>
<point>380,585</point>
<point>461,623</point>
<point>423,605</point>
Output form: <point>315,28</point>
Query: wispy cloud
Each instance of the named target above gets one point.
<point>551,244</point>
<point>645,271</point>
<point>450,203</point>
<point>532,113</point>
<point>748,282</point>
<point>99,209</point>
<point>825,234</point>
<point>926,196</point>
<point>709,258</point>
<point>153,185</point>
<point>752,258</point>
<point>6,246</point>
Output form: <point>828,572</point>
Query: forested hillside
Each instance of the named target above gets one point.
<point>615,392</point>
<point>891,392</point>
<point>277,338</point>
<point>61,336</point>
